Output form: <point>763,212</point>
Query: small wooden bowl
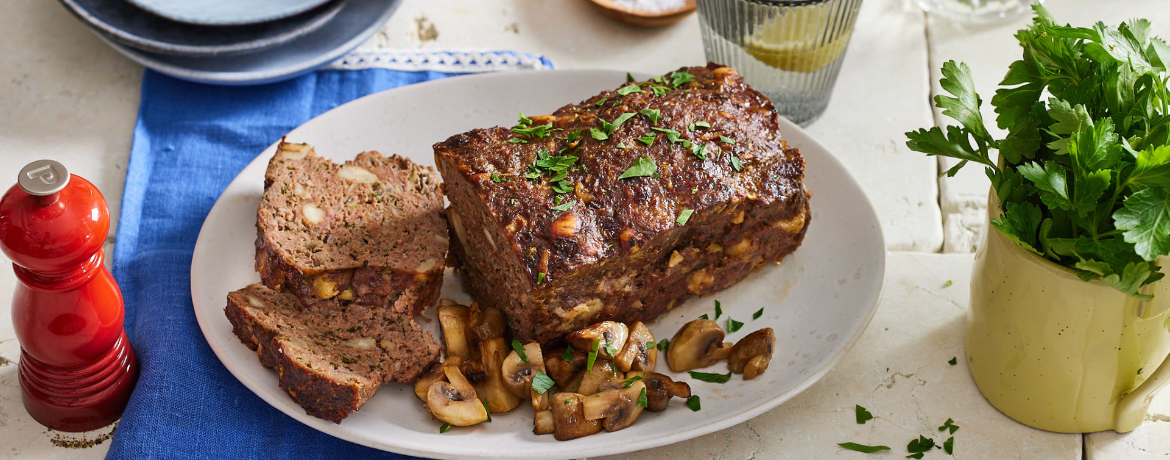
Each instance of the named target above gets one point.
<point>643,18</point>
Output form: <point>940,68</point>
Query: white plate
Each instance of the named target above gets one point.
<point>226,12</point>
<point>819,300</point>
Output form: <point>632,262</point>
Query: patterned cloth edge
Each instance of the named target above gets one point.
<point>454,61</point>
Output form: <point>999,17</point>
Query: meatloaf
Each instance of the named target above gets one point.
<point>366,231</point>
<point>621,206</point>
<point>331,357</point>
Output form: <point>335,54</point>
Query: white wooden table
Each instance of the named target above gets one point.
<point>69,97</point>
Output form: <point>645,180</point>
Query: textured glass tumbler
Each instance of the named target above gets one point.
<point>789,50</point>
<point>977,11</point>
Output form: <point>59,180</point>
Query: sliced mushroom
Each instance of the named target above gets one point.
<point>543,422</point>
<point>697,345</point>
<point>454,401</point>
<point>561,370</point>
<point>518,373</point>
<point>637,356</point>
<point>475,371</point>
<point>573,384</point>
<point>609,335</point>
<point>492,352</point>
<point>603,371</point>
<point>569,417</point>
<point>616,408</point>
<point>752,353</point>
<point>660,388</point>
<point>453,319</point>
<point>434,373</point>
<point>485,323</point>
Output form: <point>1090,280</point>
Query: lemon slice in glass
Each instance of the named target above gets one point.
<point>798,40</point>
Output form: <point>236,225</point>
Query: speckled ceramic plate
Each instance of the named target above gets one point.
<point>121,22</point>
<point>819,300</point>
<point>355,23</point>
<point>226,12</point>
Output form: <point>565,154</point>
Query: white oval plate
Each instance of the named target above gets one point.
<point>226,12</point>
<point>818,300</point>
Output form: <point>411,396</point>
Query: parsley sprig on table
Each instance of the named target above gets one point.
<point>1084,174</point>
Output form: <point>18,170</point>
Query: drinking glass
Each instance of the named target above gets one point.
<point>789,50</point>
<point>977,11</point>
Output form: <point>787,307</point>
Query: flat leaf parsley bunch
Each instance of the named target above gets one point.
<point>1084,173</point>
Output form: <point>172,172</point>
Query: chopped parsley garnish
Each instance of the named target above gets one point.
<point>601,102</point>
<point>948,283</point>
<point>628,89</point>
<point>598,134</point>
<point>693,403</point>
<point>953,361</point>
<point>683,216</point>
<point>657,79</point>
<point>445,427</point>
<point>611,347</point>
<point>662,344</point>
<point>654,115</point>
<point>568,400</point>
<point>949,425</point>
<point>718,309</point>
<point>704,316</point>
<point>727,140</point>
<point>564,206</point>
<point>617,122</point>
<point>648,139</point>
<point>497,179</point>
<point>919,446</point>
<point>562,186</point>
<point>698,124</point>
<point>678,78</point>
<point>650,345</point>
<point>658,90</point>
<point>700,150</point>
<point>524,121</point>
<point>629,78</point>
<point>519,347</point>
<point>671,135</point>
<point>621,145</point>
<point>735,163</point>
<point>517,140</point>
<point>568,355</point>
<point>539,277</point>
<point>949,446</point>
<point>862,447</point>
<point>733,325</point>
<point>1140,370</point>
<point>592,356</point>
<point>541,382</point>
<point>712,378</point>
<point>863,415</point>
<point>642,398</point>
<point>540,131</point>
<point>758,314</point>
<point>630,381</point>
<point>642,167</point>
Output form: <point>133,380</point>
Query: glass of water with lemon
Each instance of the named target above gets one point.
<point>790,50</point>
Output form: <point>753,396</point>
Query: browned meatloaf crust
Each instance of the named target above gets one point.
<point>331,358</point>
<point>366,231</point>
<point>623,249</point>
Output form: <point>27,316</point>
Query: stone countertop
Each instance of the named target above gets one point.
<point>71,98</point>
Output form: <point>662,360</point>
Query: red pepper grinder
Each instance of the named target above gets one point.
<point>77,367</point>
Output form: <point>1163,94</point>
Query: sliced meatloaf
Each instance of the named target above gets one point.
<point>331,357</point>
<point>621,206</point>
<point>366,231</point>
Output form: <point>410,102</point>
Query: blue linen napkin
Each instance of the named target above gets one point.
<point>189,142</point>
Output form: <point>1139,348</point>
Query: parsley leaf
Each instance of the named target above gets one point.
<point>629,78</point>
<point>949,446</point>
<point>598,134</point>
<point>642,402</point>
<point>953,361</point>
<point>949,425</point>
<point>648,139</point>
<point>617,122</point>
<point>718,309</point>
<point>862,415</point>
<point>539,278</point>
<point>671,135</point>
<point>694,403</point>
<point>698,124</point>
<point>1145,220</point>
<point>733,325</point>
<point>600,102</point>
<point>568,354</point>
<point>758,314</point>
<point>629,89</point>
<point>920,446</point>
<point>519,347</point>
<point>862,447</point>
<point>564,206</point>
<point>700,150</point>
<point>727,140</point>
<point>704,316</point>
<point>517,140</point>
<point>680,77</point>
<point>592,357</point>
<point>497,179</point>
<point>524,121</point>
<point>630,381</point>
<point>445,427</point>
<point>662,344</point>
<point>541,382</point>
<point>683,216</point>
<point>540,131</point>
<point>712,378</point>
<point>488,409</point>
<point>654,115</point>
<point>642,167</point>
<point>735,163</point>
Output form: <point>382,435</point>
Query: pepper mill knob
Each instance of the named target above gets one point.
<point>77,368</point>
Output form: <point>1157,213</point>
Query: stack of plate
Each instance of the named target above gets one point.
<point>233,42</point>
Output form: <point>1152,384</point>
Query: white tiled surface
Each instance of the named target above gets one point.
<point>67,96</point>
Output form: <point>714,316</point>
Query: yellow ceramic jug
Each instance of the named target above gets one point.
<point>1057,353</point>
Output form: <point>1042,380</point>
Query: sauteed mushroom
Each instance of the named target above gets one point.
<point>752,353</point>
<point>485,323</point>
<point>603,371</point>
<point>660,388</point>
<point>492,353</point>
<point>569,417</point>
<point>453,319</point>
<point>543,422</point>
<point>697,345</point>
<point>454,401</point>
<point>637,356</point>
<point>616,408</point>
<point>563,371</point>
<point>609,335</point>
<point>518,373</point>
<point>434,373</point>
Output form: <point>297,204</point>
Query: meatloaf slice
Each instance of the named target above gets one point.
<point>621,206</point>
<point>331,357</point>
<point>365,231</point>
